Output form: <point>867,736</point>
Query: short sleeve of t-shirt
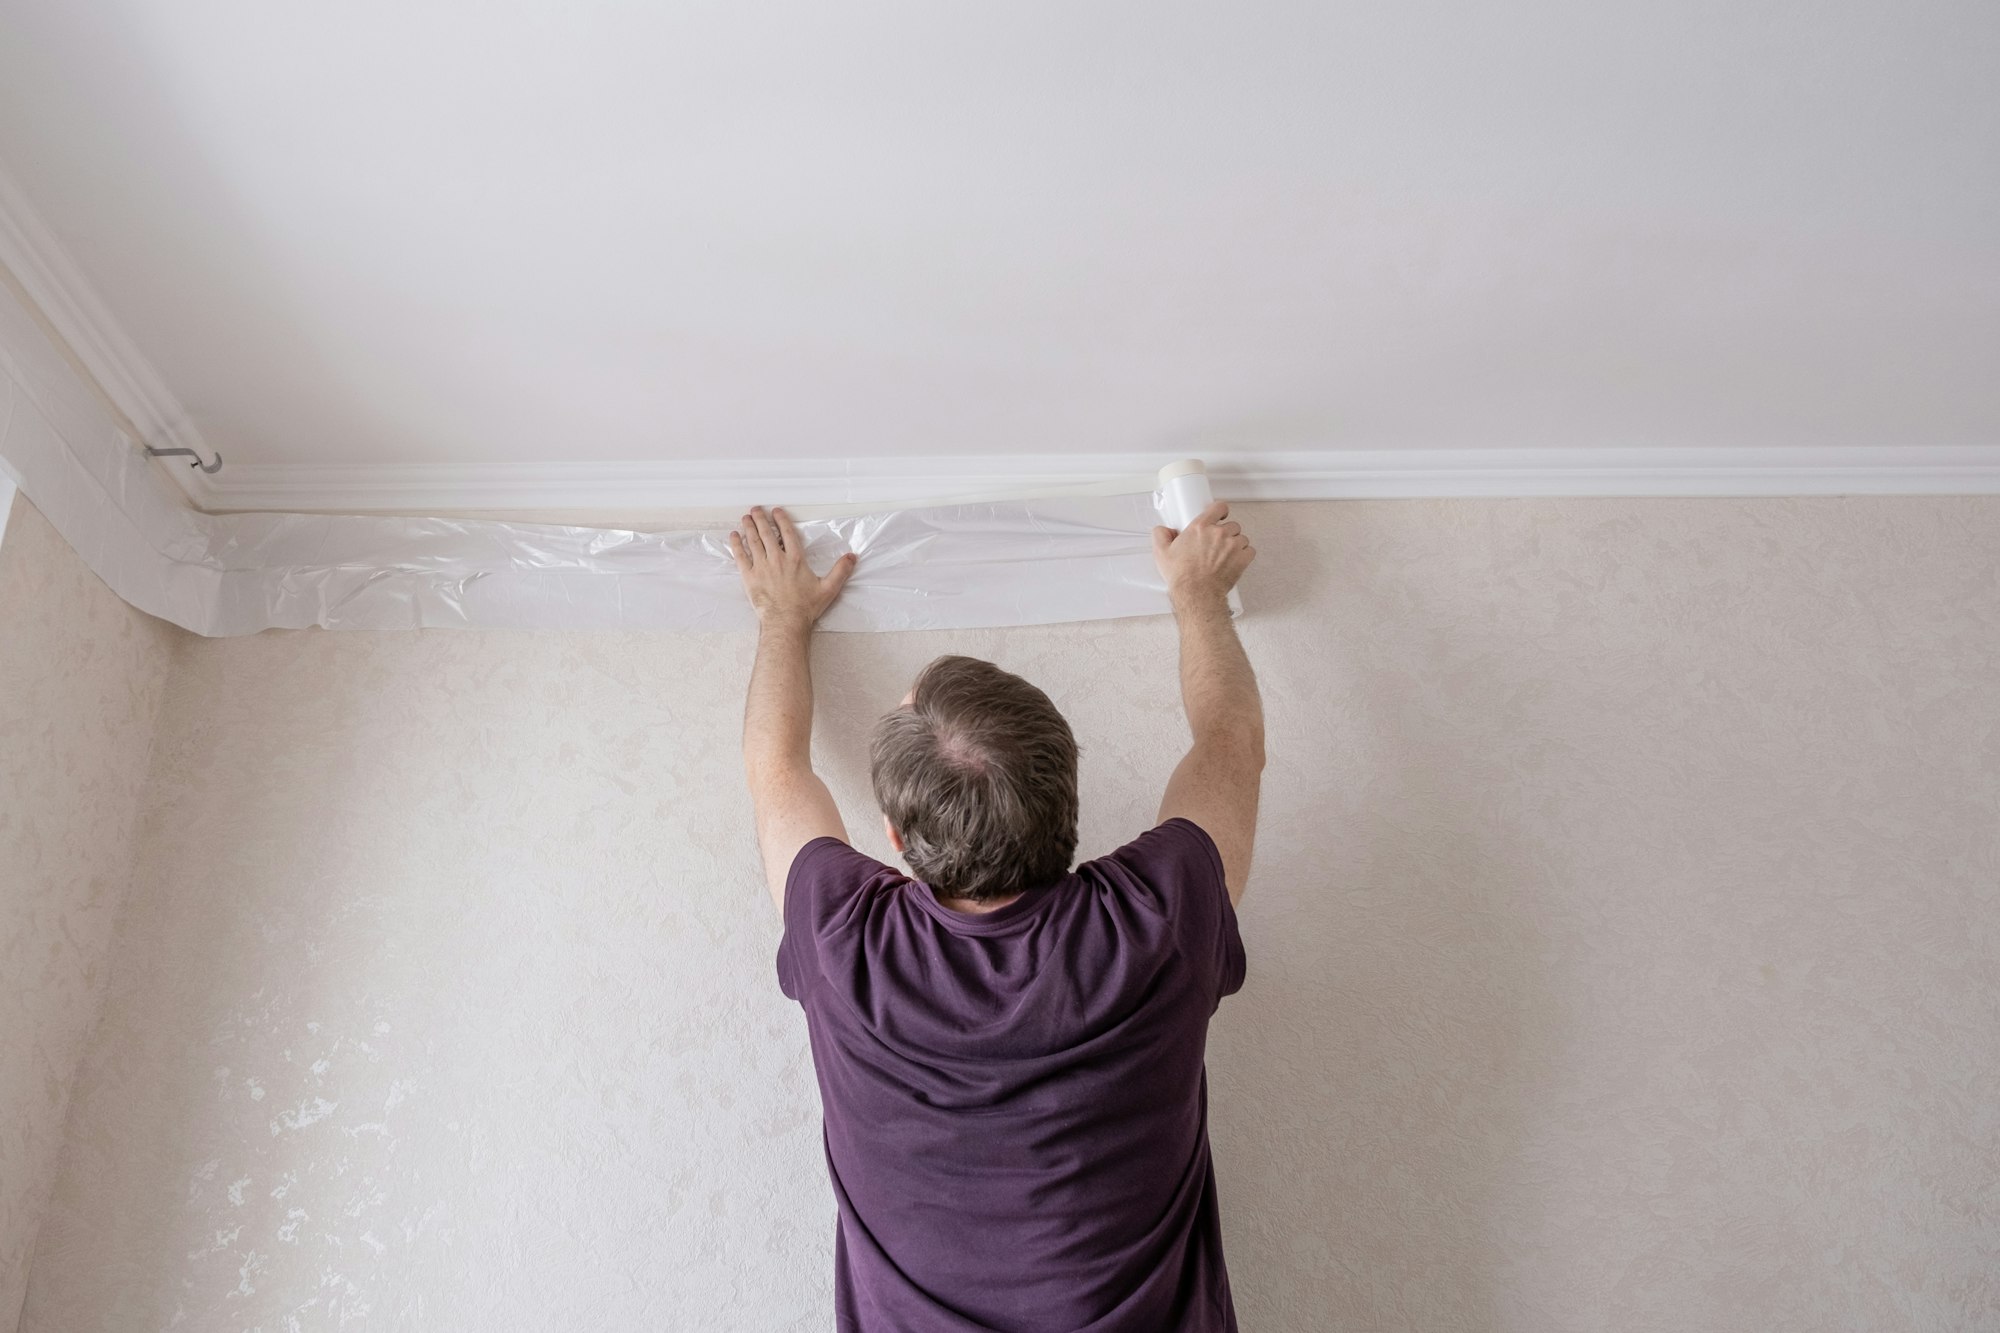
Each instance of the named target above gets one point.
<point>1178,861</point>
<point>825,885</point>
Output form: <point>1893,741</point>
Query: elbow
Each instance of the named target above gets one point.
<point>1243,751</point>
<point>757,766</point>
<point>765,765</point>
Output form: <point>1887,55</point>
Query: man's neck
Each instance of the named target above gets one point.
<point>971,908</point>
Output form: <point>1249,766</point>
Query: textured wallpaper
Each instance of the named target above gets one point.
<point>1624,948</point>
<point>81,679</point>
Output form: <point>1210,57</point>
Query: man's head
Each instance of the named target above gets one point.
<point>976,772</point>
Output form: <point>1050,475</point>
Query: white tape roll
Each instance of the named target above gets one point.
<point>1184,493</point>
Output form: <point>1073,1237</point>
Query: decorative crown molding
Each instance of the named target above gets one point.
<point>52,280</point>
<point>1284,475</point>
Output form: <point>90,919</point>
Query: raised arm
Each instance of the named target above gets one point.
<point>1215,785</point>
<point>793,806</point>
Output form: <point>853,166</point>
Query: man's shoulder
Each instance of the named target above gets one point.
<point>827,870</point>
<point>1178,841</point>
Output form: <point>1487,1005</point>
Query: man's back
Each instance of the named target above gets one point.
<point>1015,1103</point>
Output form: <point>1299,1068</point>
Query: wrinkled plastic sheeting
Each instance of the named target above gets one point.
<point>955,566</point>
<point>1015,562</point>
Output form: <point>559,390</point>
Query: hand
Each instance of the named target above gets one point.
<point>771,557</point>
<point>1206,557</point>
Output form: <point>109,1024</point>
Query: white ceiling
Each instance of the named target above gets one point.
<point>457,232</point>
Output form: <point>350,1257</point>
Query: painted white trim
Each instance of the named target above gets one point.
<point>7,489</point>
<point>1288,475</point>
<point>1612,471</point>
<point>38,261</point>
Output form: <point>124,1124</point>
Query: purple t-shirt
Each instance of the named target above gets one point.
<point>1016,1110</point>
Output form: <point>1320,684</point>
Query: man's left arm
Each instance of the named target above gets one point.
<point>793,806</point>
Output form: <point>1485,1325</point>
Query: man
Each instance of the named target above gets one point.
<point>1009,1051</point>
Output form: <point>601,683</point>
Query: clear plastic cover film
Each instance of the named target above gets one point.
<point>1014,562</point>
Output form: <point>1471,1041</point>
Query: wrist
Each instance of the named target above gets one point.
<point>1198,597</point>
<point>784,624</point>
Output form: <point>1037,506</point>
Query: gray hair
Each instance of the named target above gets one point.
<point>978,774</point>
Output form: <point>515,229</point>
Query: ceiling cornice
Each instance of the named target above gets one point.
<point>64,297</point>
<point>1304,474</point>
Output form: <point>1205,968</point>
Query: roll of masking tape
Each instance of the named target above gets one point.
<point>1183,493</point>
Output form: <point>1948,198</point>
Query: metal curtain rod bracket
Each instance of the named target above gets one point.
<point>216,466</point>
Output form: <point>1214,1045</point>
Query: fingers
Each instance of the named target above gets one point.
<point>836,578</point>
<point>767,533</point>
<point>788,532</point>
<point>765,536</point>
<point>1215,516</point>
<point>1230,532</point>
<point>770,535</point>
<point>752,539</point>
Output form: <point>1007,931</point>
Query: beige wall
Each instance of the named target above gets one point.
<point>81,679</point>
<point>1624,948</point>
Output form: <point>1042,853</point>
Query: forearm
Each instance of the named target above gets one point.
<point>1218,687</point>
<point>777,716</point>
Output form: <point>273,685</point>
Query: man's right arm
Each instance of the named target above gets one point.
<point>1216,784</point>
